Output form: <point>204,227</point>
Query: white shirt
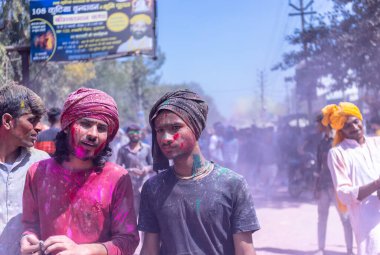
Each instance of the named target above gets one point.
<point>145,43</point>
<point>353,165</point>
<point>12,182</point>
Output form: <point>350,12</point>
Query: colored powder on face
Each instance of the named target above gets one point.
<point>196,164</point>
<point>176,136</point>
<point>80,152</point>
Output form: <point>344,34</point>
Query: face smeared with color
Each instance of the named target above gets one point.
<point>134,135</point>
<point>174,137</point>
<point>353,128</point>
<point>88,137</point>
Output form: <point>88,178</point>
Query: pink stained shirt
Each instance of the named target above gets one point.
<point>88,207</point>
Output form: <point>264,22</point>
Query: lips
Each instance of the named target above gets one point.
<point>88,144</point>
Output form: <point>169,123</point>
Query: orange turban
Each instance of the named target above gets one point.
<point>336,116</point>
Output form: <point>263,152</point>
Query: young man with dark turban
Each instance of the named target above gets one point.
<point>194,206</point>
<point>77,202</point>
<point>354,164</point>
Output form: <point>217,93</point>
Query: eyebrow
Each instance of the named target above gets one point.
<point>93,122</point>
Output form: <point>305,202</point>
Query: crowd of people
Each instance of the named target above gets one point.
<point>73,200</point>
<point>86,186</point>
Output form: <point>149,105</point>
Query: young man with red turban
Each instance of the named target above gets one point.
<point>354,164</point>
<point>77,202</point>
<point>194,206</point>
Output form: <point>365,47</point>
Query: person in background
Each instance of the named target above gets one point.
<point>21,111</point>
<point>46,139</point>
<point>215,146</point>
<point>120,140</point>
<point>325,193</point>
<point>267,160</point>
<point>230,148</point>
<point>77,202</point>
<point>136,157</point>
<point>194,206</point>
<point>355,169</point>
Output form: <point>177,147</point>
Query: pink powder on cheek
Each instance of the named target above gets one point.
<point>80,152</point>
<point>176,136</point>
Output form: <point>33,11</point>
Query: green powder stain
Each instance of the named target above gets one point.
<point>197,205</point>
<point>222,171</point>
<point>197,164</point>
<point>166,102</point>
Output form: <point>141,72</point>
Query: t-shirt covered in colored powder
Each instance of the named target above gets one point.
<point>197,216</point>
<point>87,206</point>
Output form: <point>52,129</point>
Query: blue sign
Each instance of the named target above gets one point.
<point>72,30</point>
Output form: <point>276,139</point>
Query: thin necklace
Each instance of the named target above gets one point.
<point>206,169</point>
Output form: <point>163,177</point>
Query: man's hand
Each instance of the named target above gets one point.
<point>30,244</point>
<point>148,169</point>
<point>62,245</point>
<point>136,171</point>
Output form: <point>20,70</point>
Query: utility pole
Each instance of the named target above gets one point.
<point>302,11</point>
<point>262,94</point>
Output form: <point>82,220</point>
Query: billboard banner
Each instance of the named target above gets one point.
<point>72,30</point>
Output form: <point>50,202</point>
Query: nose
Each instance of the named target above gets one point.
<point>167,138</point>
<point>92,132</point>
<point>38,127</point>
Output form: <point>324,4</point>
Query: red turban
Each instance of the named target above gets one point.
<point>91,103</point>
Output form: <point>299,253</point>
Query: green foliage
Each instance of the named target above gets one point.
<point>134,82</point>
<point>344,45</point>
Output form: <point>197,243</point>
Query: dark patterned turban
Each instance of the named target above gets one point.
<point>186,104</point>
<point>91,103</point>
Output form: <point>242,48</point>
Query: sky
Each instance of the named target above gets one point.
<point>223,45</point>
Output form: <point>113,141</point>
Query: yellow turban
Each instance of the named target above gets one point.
<point>336,116</point>
<point>141,17</point>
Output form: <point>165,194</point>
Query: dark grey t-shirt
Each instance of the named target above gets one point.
<point>197,216</point>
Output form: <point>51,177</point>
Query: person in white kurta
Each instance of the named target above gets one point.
<point>354,163</point>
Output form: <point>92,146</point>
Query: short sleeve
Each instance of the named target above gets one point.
<point>147,218</point>
<point>244,217</point>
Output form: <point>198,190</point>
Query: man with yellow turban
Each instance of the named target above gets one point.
<point>354,164</point>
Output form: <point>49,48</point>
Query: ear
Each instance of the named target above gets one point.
<point>6,121</point>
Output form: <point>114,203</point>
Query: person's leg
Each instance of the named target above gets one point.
<point>348,234</point>
<point>323,213</point>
